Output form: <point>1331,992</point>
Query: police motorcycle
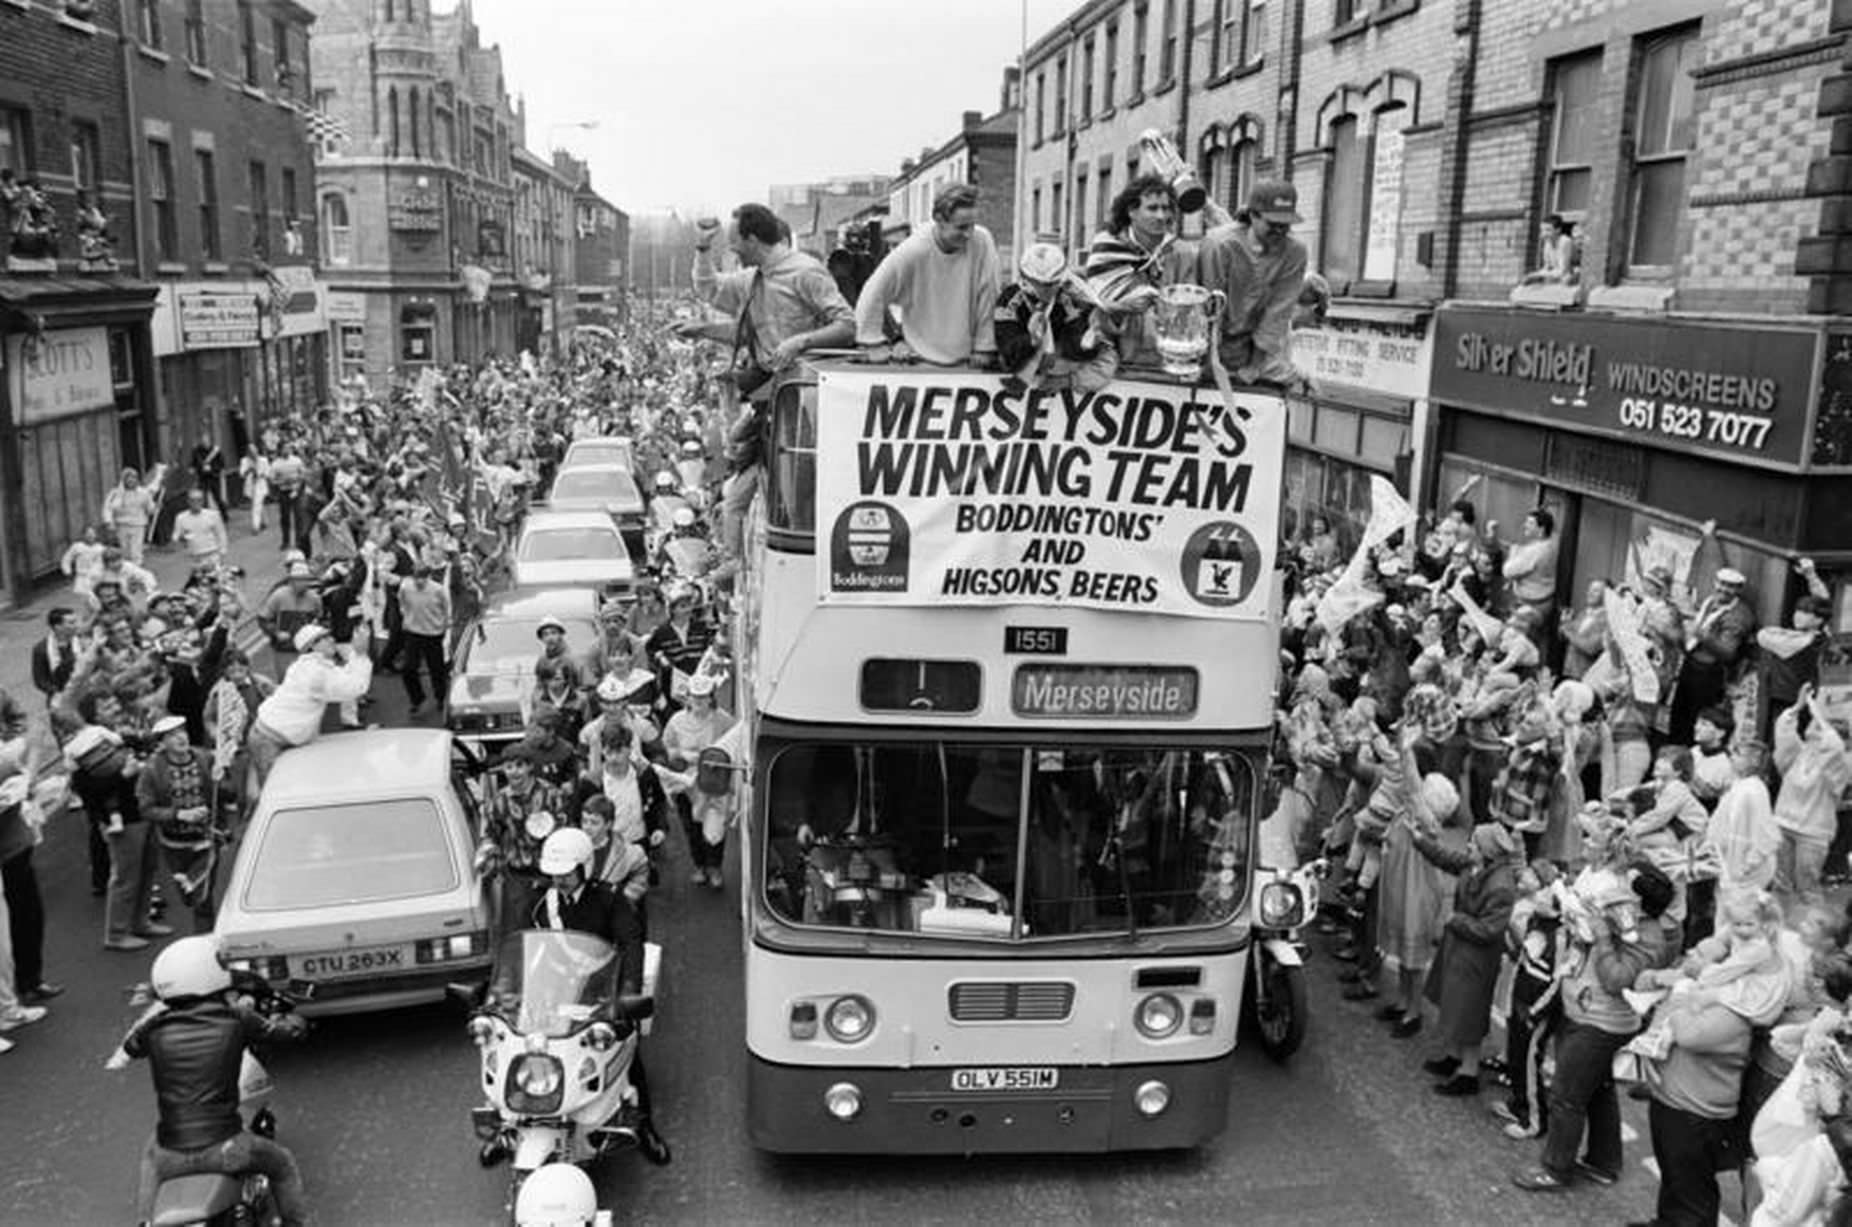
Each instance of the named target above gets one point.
<point>1286,899</point>
<point>556,1039</point>
<point>216,1199</point>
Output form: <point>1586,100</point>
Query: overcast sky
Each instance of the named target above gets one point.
<point>702,104</point>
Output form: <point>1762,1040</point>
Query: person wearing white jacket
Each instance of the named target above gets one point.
<point>324,673</point>
<point>1742,830</point>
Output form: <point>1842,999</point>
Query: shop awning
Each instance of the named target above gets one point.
<point>50,302</point>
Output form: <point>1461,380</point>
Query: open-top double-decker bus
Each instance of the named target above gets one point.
<point>1008,659</point>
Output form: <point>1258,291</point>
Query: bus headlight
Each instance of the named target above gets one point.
<point>1151,1098</point>
<point>1158,1015</point>
<point>844,1101</point>
<point>849,1020</point>
<point>1281,906</point>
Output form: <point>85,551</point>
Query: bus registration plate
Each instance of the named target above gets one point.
<point>1012,1078</point>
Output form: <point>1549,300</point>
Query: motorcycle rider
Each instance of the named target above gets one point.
<point>195,1038</point>
<point>558,1195</point>
<point>573,901</point>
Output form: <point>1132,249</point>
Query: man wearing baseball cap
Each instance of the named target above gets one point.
<point>1260,266</point>
<point>1715,640</point>
<point>325,673</point>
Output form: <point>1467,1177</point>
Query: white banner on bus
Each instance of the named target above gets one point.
<point>943,488</point>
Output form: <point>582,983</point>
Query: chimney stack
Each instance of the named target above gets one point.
<point>1012,88</point>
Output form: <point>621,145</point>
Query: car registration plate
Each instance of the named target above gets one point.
<point>1008,1078</point>
<point>344,963</point>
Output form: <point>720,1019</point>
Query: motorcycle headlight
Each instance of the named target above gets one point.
<point>1281,906</point>
<point>850,1019</point>
<point>1158,1015</point>
<point>536,1085</point>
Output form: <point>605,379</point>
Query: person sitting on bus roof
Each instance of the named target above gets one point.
<point>945,280</point>
<point>1047,324</point>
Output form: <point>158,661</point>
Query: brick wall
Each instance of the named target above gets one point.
<point>60,73</point>
<point>210,101</point>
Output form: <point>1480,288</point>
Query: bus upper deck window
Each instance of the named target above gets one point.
<point>791,478</point>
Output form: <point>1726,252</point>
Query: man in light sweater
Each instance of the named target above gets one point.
<point>945,279</point>
<point>325,673</point>
<point>200,530</point>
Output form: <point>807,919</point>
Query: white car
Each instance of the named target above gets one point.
<point>572,549</point>
<point>357,874</point>
<point>600,450</point>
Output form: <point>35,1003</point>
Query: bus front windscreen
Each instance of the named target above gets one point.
<point>1006,842</point>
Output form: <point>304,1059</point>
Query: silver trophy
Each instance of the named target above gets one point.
<point>1185,319</point>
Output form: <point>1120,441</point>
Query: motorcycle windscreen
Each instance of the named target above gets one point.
<point>551,982</point>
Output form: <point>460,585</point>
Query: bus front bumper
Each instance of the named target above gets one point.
<point>918,1111</point>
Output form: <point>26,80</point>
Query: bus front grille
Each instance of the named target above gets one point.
<point>978,1001</point>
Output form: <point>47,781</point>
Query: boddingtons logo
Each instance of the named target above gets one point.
<point>870,547</point>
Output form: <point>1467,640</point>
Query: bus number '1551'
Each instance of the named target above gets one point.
<point>1020,1078</point>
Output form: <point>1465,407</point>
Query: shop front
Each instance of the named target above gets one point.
<point>1641,434</point>
<point>237,355</point>
<point>1366,417</point>
<point>77,367</point>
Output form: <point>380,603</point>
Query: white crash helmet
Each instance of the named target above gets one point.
<point>665,481</point>
<point>189,968</point>
<point>683,517</point>
<point>557,1195</point>
<point>566,849</point>
<point>691,447</point>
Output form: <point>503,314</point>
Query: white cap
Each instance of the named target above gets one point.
<point>1730,575</point>
<point>166,725</point>
<point>309,636</point>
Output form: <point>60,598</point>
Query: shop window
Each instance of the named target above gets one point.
<point>1383,208</point>
<point>148,23</point>
<point>1384,441</point>
<point>1254,32</point>
<point>247,42</point>
<point>1344,203</point>
<point>1662,130</point>
<point>15,141</point>
<point>260,211</point>
<point>208,186</point>
<point>337,232</point>
<point>196,32</point>
<point>1299,419</point>
<point>1167,48</point>
<point>279,51</point>
<point>1109,74</point>
<point>417,335</point>
<point>1574,84</point>
<point>1141,39</point>
<point>1336,429</point>
<point>161,201</point>
<point>86,155</point>
<point>1060,124</point>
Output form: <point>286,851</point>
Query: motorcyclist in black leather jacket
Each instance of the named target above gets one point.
<point>195,1038</point>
